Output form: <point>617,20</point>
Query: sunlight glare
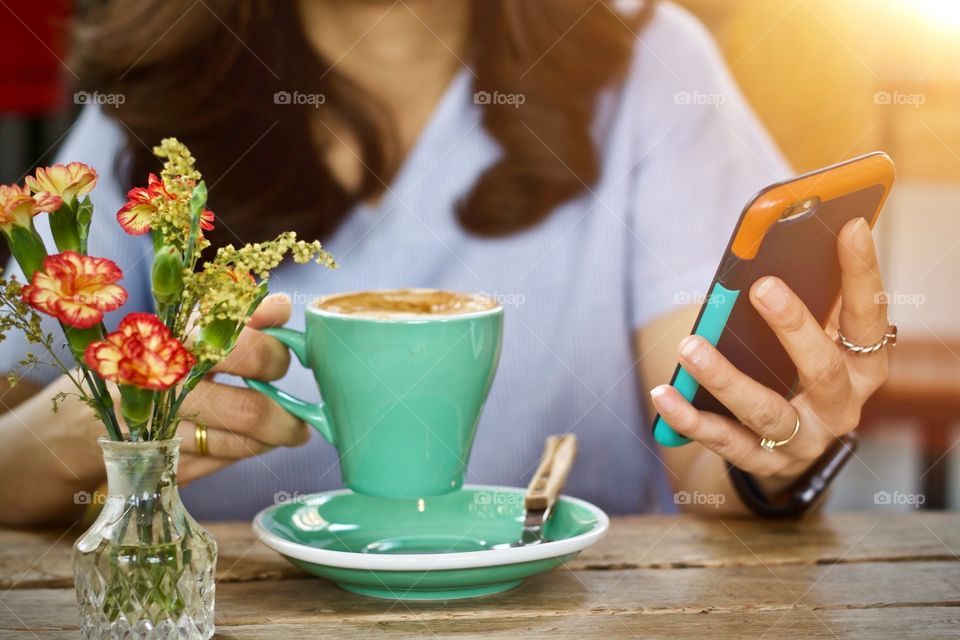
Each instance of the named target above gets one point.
<point>940,12</point>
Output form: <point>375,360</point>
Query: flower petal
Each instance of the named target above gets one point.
<point>76,289</point>
<point>17,206</point>
<point>141,352</point>
<point>206,220</point>
<point>66,181</point>
<point>135,218</point>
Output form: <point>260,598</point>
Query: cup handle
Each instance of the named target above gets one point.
<point>313,413</point>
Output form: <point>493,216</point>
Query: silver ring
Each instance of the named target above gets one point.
<point>889,338</point>
<point>770,445</point>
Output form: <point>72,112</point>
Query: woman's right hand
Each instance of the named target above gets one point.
<point>241,422</point>
<point>47,460</point>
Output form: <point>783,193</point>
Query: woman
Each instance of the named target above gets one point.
<point>582,164</point>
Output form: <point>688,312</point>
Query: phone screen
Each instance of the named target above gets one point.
<point>776,236</point>
<point>803,253</point>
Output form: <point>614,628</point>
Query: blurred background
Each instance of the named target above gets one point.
<point>831,79</point>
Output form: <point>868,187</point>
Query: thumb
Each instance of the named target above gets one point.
<point>274,311</point>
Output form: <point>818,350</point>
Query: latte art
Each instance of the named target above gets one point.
<point>406,303</point>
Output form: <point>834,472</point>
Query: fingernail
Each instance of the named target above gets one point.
<point>280,296</point>
<point>861,235</point>
<point>772,294</point>
<point>693,352</point>
<point>663,399</point>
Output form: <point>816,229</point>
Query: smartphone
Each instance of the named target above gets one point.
<point>788,230</point>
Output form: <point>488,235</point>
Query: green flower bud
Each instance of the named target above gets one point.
<point>219,334</point>
<point>64,227</point>
<point>27,249</point>
<point>79,339</point>
<point>167,276</point>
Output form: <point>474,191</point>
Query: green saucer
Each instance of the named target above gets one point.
<point>435,548</point>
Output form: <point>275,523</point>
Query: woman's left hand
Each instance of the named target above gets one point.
<point>835,382</point>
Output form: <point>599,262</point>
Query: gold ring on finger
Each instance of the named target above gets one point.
<point>770,445</point>
<point>200,438</point>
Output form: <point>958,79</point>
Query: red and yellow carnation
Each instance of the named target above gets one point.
<point>68,181</point>
<point>136,216</point>
<point>141,352</point>
<point>17,206</point>
<point>76,289</point>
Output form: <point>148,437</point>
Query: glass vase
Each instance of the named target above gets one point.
<point>145,569</point>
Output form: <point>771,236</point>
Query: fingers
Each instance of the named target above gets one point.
<point>242,422</point>
<point>221,443</point>
<point>734,442</point>
<point>819,361</point>
<point>193,467</point>
<point>863,312</point>
<point>245,412</point>
<point>257,355</point>
<point>761,409</point>
<point>274,311</point>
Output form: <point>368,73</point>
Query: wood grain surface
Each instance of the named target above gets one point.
<point>852,575</point>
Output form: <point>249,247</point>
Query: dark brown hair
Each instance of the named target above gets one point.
<point>208,74</point>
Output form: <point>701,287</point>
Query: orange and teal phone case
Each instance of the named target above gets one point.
<point>801,251</point>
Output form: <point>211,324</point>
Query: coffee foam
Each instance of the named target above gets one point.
<point>405,304</point>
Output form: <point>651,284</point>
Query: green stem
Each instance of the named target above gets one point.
<point>198,199</point>
<point>84,216</point>
<point>158,420</point>
<point>104,405</point>
<point>78,340</point>
<point>104,402</point>
<point>173,405</point>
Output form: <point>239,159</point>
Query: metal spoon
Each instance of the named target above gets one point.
<point>545,487</point>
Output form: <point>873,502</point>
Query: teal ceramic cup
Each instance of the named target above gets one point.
<point>402,395</point>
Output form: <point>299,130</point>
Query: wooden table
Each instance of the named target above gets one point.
<point>869,575</point>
